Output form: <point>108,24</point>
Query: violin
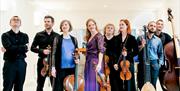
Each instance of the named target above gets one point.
<point>125,74</point>
<point>47,64</point>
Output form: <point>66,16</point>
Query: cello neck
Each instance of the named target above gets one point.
<point>177,45</point>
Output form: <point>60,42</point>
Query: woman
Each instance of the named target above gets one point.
<point>109,39</point>
<point>94,55</point>
<point>127,41</point>
<point>63,49</point>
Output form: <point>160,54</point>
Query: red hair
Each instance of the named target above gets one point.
<point>127,24</point>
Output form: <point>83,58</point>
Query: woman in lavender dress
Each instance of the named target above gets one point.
<point>94,55</point>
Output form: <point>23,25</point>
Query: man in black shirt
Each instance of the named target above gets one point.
<point>40,43</point>
<point>165,38</point>
<point>15,46</point>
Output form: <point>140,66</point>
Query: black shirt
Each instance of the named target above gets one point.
<point>15,45</point>
<point>110,51</point>
<point>41,42</point>
<point>165,38</point>
<point>109,44</point>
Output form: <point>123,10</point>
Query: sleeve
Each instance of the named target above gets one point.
<point>55,42</point>
<point>168,38</point>
<point>139,40</point>
<point>100,43</point>
<point>134,50</point>
<point>35,44</point>
<point>160,53</point>
<point>24,47</point>
<point>76,42</point>
<point>8,45</point>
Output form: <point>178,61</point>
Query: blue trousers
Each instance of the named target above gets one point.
<point>154,65</point>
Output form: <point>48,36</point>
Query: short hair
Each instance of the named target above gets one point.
<point>107,26</point>
<point>70,29</point>
<point>15,17</point>
<point>159,20</point>
<point>48,16</point>
<point>150,23</point>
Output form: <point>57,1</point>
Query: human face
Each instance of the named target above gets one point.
<point>48,24</point>
<point>152,27</point>
<point>109,30</point>
<point>91,26</point>
<point>15,22</point>
<point>122,26</point>
<point>159,25</point>
<point>65,27</point>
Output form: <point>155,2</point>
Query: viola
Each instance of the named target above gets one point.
<point>103,78</point>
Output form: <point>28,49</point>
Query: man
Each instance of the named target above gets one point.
<point>15,46</point>
<point>154,55</point>
<point>165,38</point>
<point>40,44</point>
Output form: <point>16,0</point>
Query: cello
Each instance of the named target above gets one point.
<point>171,79</point>
<point>75,82</point>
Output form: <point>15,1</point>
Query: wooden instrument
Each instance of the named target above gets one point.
<point>148,87</point>
<point>75,82</point>
<point>47,63</point>
<point>146,64</point>
<point>171,80</point>
<point>103,78</point>
<point>125,74</point>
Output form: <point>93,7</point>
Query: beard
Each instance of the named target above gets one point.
<point>151,31</point>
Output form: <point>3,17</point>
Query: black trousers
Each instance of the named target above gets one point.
<point>61,74</point>
<point>14,72</point>
<point>41,79</point>
<point>115,80</point>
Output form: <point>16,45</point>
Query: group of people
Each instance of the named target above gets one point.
<point>15,45</point>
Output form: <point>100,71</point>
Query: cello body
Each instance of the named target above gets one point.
<point>75,82</point>
<point>69,83</point>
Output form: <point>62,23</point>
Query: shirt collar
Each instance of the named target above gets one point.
<point>47,33</point>
<point>66,36</point>
<point>12,32</point>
